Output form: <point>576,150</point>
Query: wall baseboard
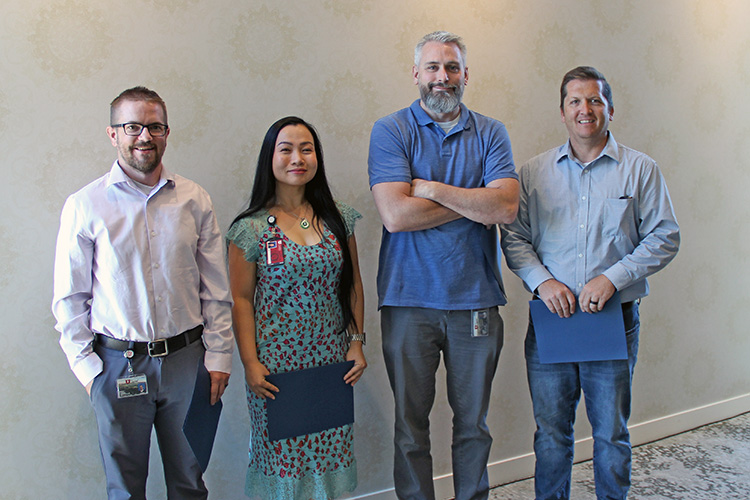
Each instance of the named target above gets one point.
<point>522,467</point>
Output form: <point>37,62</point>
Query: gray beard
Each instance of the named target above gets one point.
<point>441,103</point>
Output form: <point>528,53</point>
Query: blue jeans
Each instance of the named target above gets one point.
<point>555,392</point>
<point>413,339</point>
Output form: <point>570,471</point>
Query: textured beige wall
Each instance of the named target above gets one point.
<point>680,70</point>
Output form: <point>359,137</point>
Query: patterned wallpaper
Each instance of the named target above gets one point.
<point>680,70</point>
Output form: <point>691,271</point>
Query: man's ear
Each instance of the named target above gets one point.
<point>112,133</point>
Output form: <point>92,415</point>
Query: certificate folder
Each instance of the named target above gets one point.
<point>583,336</point>
<point>309,401</point>
<point>202,419</point>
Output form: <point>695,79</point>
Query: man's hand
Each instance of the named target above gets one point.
<point>557,297</point>
<point>596,293</point>
<point>420,188</point>
<point>219,382</point>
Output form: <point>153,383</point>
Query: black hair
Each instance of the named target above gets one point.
<point>318,195</point>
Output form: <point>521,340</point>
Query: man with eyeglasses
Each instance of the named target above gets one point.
<point>142,301</point>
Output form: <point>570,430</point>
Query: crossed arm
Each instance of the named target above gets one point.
<point>426,204</point>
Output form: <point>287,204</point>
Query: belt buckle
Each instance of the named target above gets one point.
<point>154,349</point>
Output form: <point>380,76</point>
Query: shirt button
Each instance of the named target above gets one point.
<point>581,226</point>
<point>583,197</point>
<point>153,233</point>
<point>159,299</point>
<point>580,255</point>
<point>156,266</point>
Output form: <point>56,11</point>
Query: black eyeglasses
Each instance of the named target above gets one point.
<point>135,129</point>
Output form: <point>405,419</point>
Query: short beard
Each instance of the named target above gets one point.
<point>441,103</point>
<point>142,166</point>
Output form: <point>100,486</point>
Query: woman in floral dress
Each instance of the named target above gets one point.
<point>295,308</point>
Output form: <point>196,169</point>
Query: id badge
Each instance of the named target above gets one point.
<point>480,322</point>
<point>132,385</point>
<point>274,252</point>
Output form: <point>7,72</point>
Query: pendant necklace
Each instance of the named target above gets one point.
<point>303,222</point>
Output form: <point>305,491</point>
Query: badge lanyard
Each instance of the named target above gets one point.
<point>274,245</point>
<point>133,384</point>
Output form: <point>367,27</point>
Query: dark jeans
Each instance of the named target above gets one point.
<point>555,392</point>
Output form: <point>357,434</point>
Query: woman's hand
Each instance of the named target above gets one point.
<point>355,353</point>
<point>255,375</point>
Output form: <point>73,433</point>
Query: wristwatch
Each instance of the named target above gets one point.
<point>362,337</point>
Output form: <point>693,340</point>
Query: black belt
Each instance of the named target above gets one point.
<point>155,348</point>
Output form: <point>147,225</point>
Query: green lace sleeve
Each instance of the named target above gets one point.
<point>246,233</point>
<point>350,216</point>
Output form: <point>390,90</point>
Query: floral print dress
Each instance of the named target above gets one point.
<point>298,321</point>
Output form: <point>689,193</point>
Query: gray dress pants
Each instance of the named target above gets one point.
<point>413,340</point>
<point>125,424</point>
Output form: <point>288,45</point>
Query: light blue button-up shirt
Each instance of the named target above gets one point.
<point>575,222</point>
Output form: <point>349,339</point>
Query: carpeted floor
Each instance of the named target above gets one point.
<point>708,463</point>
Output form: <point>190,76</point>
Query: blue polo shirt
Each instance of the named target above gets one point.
<point>456,265</point>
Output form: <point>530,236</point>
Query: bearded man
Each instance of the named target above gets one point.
<point>442,177</point>
<point>142,301</point>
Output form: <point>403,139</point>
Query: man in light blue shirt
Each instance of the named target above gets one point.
<point>594,217</point>
<point>441,176</point>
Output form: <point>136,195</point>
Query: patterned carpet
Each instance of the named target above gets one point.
<point>708,463</point>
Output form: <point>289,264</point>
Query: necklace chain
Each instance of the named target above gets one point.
<point>303,222</point>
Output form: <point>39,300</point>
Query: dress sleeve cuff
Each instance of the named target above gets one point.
<point>618,276</point>
<point>88,368</point>
<point>218,362</point>
<point>536,277</point>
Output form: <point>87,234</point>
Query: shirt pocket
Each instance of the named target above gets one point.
<point>618,219</point>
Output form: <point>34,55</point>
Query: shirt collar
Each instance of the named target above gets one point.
<point>610,149</point>
<point>118,176</point>
<point>423,119</point>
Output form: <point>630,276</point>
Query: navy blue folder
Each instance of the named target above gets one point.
<point>310,401</point>
<point>202,418</point>
<point>581,337</point>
